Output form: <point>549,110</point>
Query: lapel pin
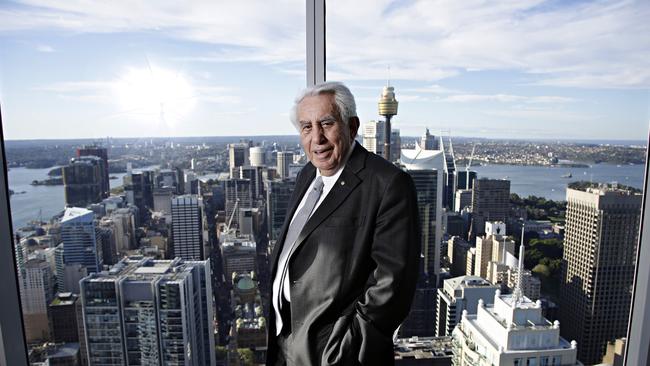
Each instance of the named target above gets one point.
<point>342,182</point>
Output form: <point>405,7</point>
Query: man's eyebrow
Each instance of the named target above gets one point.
<point>327,119</point>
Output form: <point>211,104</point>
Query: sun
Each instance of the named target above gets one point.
<point>155,94</point>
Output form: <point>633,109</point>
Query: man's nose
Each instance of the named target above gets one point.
<point>317,135</point>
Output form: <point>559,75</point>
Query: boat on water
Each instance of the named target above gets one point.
<point>569,175</point>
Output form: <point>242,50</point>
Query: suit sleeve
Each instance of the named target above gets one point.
<point>389,291</point>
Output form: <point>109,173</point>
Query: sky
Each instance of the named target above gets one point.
<point>510,68</point>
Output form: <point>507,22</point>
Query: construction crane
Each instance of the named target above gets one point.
<point>232,215</point>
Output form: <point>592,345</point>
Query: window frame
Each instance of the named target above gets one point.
<point>637,348</point>
<point>13,350</point>
<point>11,323</point>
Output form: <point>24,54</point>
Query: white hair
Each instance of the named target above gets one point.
<point>343,100</point>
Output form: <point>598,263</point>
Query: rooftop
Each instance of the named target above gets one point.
<point>423,347</point>
<point>77,214</point>
<point>467,281</point>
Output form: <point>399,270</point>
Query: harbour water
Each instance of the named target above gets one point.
<point>551,182</point>
<point>46,201</point>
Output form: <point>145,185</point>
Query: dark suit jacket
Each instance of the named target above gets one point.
<point>354,267</point>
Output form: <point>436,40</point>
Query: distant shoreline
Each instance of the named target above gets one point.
<point>86,140</point>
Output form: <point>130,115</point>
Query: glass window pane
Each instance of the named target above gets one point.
<point>534,117</point>
<point>137,130</point>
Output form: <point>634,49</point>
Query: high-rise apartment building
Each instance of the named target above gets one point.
<point>284,159</point>
<point>492,247</point>
<point>373,136</point>
<point>83,181</point>
<point>101,153</point>
<point>36,293</point>
<point>600,241</point>
<point>187,227</point>
<point>456,295</point>
<point>149,312</point>
<point>80,237</point>
<point>490,202</point>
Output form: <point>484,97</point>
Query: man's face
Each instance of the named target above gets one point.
<point>324,137</point>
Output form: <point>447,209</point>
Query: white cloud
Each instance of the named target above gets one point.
<point>504,98</point>
<point>44,48</point>
<point>602,44</point>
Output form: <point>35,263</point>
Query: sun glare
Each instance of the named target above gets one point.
<point>155,94</point>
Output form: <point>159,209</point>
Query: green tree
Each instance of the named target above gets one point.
<point>246,356</point>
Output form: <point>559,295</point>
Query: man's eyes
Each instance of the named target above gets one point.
<point>323,124</point>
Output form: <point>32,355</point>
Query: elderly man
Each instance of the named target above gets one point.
<point>344,267</point>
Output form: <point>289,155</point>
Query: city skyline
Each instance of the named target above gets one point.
<point>535,68</point>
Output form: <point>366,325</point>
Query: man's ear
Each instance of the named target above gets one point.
<point>353,124</point>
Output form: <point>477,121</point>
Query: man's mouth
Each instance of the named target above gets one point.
<point>321,153</point>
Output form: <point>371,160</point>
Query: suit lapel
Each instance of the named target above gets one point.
<point>302,184</point>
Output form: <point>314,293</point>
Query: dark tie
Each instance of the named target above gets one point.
<point>292,235</point>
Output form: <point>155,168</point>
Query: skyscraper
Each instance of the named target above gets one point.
<point>490,202</point>
<point>395,145</point>
<point>257,156</point>
<point>429,141</point>
<point>80,237</point>
<point>138,187</point>
<point>238,155</point>
<point>601,236</point>
<point>238,254</point>
<point>492,247</point>
<point>373,137</point>
<point>36,293</point>
<point>465,179</point>
<point>254,174</point>
<point>187,220</point>
<point>238,195</point>
<point>149,312</point>
<point>426,167</point>
<point>285,158</point>
<point>511,331</point>
<point>450,174</point>
<point>456,295</point>
<point>63,317</point>
<point>102,153</point>
<point>278,195</point>
<point>83,181</point>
